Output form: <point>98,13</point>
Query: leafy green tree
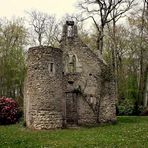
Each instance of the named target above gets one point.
<point>13,38</point>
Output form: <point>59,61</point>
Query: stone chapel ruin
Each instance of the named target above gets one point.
<point>67,86</point>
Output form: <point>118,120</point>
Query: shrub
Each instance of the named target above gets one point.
<point>9,111</point>
<point>125,107</point>
<point>145,112</point>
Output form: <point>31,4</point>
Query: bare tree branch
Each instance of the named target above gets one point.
<point>45,28</point>
<point>106,11</point>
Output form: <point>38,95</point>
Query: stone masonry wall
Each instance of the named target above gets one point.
<point>43,88</point>
<point>88,79</point>
<point>107,103</point>
<point>58,92</point>
<point>92,81</point>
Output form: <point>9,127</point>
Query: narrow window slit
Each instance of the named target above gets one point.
<point>51,67</point>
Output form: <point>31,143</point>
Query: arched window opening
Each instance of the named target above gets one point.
<point>72,64</point>
<point>66,62</point>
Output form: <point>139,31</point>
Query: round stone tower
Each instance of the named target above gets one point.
<point>43,95</point>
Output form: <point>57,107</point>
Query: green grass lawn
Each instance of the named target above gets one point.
<point>129,132</point>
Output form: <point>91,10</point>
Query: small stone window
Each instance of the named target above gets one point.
<point>92,100</point>
<point>51,68</point>
<point>70,82</point>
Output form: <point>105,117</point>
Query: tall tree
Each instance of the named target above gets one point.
<point>101,13</point>
<point>12,60</point>
<point>44,28</point>
<point>143,82</point>
<point>141,23</point>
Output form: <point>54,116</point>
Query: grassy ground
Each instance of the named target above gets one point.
<point>129,132</point>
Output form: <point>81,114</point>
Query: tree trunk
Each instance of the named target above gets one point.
<point>141,62</point>
<point>40,39</point>
<point>100,40</point>
<point>145,101</point>
<point>141,79</point>
<point>114,59</point>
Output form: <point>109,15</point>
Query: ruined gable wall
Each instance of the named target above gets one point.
<point>97,85</point>
<point>100,84</point>
<point>89,80</point>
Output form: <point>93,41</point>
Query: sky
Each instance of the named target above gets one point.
<point>11,8</point>
<point>18,8</point>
